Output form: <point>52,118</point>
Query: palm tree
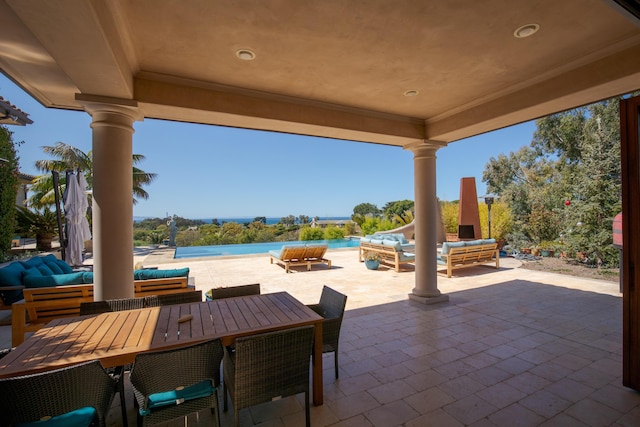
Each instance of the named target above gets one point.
<point>68,157</point>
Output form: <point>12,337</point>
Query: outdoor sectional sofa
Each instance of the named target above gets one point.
<point>393,249</point>
<point>468,253</point>
<point>46,288</point>
<point>300,255</point>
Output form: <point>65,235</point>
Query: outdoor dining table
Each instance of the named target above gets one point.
<point>115,338</point>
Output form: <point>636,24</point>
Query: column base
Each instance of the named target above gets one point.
<point>429,300</point>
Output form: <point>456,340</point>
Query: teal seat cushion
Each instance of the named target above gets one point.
<point>82,417</point>
<point>175,397</point>
<point>35,281</point>
<point>448,245</point>
<point>407,256</point>
<point>440,261</point>
<point>87,277</point>
<point>11,275</point>
<point>276,253</point>
<point>160,274</point>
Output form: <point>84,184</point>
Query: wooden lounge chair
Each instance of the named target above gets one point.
<point>315,255</point>
<point>289,256</point>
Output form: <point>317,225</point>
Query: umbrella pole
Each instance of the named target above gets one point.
<point>56,193</point>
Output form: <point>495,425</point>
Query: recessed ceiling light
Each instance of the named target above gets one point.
<point>411,92</point>
<point>245,54</point>
<point>526,31</point>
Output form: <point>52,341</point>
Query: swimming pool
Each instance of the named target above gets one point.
<point>256,248</point>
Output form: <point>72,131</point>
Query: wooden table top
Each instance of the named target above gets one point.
<point>116,337</point>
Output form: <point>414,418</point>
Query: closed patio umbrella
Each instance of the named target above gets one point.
<point>75,212</point>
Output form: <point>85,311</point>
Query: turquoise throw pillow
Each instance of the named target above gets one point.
<point>32,271</point>
<point>33,281</point>
<point>54,267</point>
<point>45,270</point>
<point>11,275</point>
<point>82,417</point>
<point>33,262</point>
<point>66,268</point>
<point>175,397</point>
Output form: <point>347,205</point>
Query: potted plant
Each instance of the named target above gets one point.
<point>42,224</point>
<point>371,260</point>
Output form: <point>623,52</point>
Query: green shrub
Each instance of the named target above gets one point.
<point>308,233</point>
<point>333,233</point>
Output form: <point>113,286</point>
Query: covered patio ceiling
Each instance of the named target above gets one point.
<point>331,68</point>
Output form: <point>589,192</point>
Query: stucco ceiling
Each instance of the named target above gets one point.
<point>331,68</point>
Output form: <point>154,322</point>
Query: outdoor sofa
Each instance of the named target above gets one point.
<point>393,249</point>
<point>468,253</point>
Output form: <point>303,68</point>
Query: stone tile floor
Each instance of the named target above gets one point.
<point>512,347</point>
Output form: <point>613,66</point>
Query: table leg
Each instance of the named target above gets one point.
<point>317,365</point>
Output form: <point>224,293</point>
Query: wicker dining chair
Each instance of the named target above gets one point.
<point>174,383</point>
<point>75,395</point>
<point>172,299</point>
<point>331,308</point>
<point>97,307</point>
<point>267,366</point>
<point>234,291</point>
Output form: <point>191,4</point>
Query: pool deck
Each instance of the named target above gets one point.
<point>511,347</point>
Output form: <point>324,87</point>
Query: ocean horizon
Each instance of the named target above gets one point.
<point>242,220</point>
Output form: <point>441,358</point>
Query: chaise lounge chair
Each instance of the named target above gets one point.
<point>291,256</point>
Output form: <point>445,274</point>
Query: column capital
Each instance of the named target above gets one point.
<point>96,105</point>
<point>425,147</point>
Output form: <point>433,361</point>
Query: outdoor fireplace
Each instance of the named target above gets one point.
<point>466,232</point>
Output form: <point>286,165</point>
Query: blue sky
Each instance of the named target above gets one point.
<point>217,172</point>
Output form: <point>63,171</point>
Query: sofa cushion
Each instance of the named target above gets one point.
<point>34,281</point>
<point>79,417</point>
<point>160,274</point>
<point>45,270</point>
<point>66,268</point>
<point>376,241</point>
<point>11,275</point>
<point>32,271</point>
<point>448,245</point>
<point>54,267</point>
<point>87,277</point>
<point>396,245</point>
<point>32,262</point>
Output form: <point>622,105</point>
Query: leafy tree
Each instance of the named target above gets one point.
<point>364,210</point>
<point>262,219</point>
<point>68,157</point>
<point>574,156</point>
<point>404,219</point>
<point>8,189</point>
<point>391,209</point>
<point>303,219</point>
<point>288,220</point>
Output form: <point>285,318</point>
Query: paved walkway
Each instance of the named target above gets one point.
<point>512,347</point>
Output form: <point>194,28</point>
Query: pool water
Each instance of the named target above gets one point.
<point>256,248</point>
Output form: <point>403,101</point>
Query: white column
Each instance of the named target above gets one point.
<point>426,217</point>
<point>112,207</point>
